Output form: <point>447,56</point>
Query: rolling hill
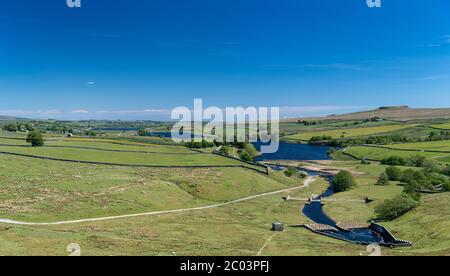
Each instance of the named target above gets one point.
<point>400,113</point>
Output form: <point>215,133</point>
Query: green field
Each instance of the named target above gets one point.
<point>442,126</point>
<point>428,227</point>
<point>350,132</point>
<point>37,190</point>
<point>12,141</point>
<point>129,158</point>
<point>124,147</point>
<point>377,154</point>
<point>432,146</point>
<point>240,229</point>
<point>361,212</point>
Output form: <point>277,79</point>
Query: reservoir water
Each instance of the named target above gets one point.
<point>314,211</point>
<point>289,151</point>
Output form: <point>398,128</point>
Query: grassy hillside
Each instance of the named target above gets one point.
<point>442,126</point>
<point>350,132</point>
<point>372,153</point>
<point>128,158</point>
<point>428,227</point>
<point>392,113</point>
<point>432,146</point>
<point>240,229</point>
<point>37,190</point>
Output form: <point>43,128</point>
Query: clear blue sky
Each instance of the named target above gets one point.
<point>137,59</point>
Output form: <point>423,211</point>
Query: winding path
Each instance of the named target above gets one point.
<point>306,183</point>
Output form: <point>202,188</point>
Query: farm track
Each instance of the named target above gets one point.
<point>308,181</point>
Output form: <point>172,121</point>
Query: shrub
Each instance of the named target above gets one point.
<point>394,161</point>
<point>35,139</point>
<point>343,181</point>
<point>431,165</point>
<point>393,208</point>
<point>224,150</point>
<point>446,187</point>
<point>417,160</point>
<point>383,179</point>
<point>446,171</point>
<point>290,172</point>
<point>142,132</point>
<point>250,149</point>
<point>245,156</point>
<point>11,127</point>
<point>394,173</point>
<point>408,176</point>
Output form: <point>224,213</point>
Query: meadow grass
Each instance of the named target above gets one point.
<point>124,147</point>
<point>434,146</point>
<point>350,132</point>
<point>240,229</point>
<point>39,190</point>
<point>428,227</point>
<point>12,141</point>
<point>373,153</point>
<point>44,191</point>
<point>366,187</point>
<point>442,126</point>
<point>128,158</point>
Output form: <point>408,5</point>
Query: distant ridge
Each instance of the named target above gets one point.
<point>400,113</point>
<point>8,118</point>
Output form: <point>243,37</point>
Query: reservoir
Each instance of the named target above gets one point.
<point>290,151</point>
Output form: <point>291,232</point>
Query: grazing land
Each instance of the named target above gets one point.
<point>442,126</point>
<point>378,154</point>
<point>350,132</point>
<point>217,212</point>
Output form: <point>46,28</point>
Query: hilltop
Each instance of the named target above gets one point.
<point>400,113</point>
<point>7,118</point>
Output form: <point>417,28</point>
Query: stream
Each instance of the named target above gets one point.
<point>314,210</point>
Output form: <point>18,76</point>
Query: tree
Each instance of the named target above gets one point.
<point>383,179</point>
<point>394,173</point>
<point>250,149</point>
<point>11,127</point>
<point>431,165</point>
<point>290,172</point>
<point>35,139</point>
<point>245,156</point>
<point>446,171</point>
<point>394,161</point>
<point>408,176</point>
<point>224,150</point>
<point>418,160</point>
<point>393,208</point>
<point>343,181</point>
<point>142,132</point>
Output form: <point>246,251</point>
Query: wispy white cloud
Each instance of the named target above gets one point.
<point>91,83</point>
<point>436,77</point>
<point>134,112</point>
<point>441,41</point>
<point>333,66</point>
<point>425,45</point>
<point>300,111</point>
<point>80,111</point>
<point>31,113</point>
<point>164,114</point>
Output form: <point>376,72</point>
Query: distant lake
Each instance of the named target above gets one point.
<point>289,151</point>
